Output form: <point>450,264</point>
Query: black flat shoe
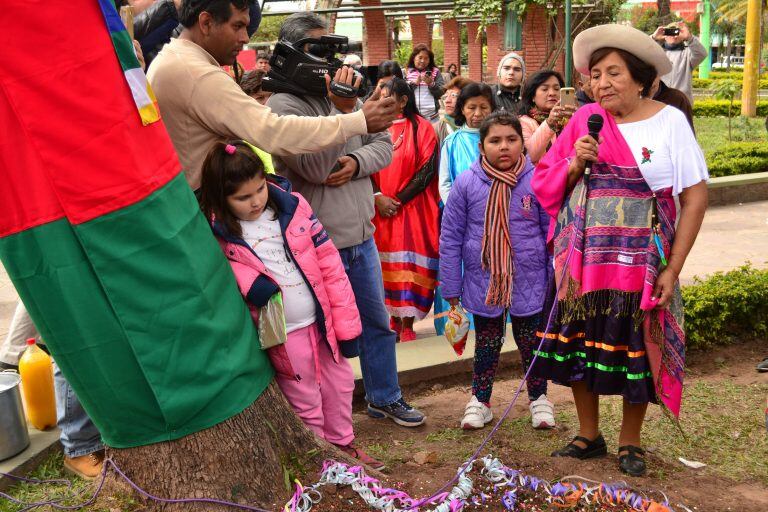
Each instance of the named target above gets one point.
<point>594,448</point>
<point>632,463</point>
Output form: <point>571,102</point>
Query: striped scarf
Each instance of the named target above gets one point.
<point>143,97</point>
<point>497,247</point>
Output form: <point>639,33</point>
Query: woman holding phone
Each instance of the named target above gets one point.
<point>541,114</point>
<point>424,77</point>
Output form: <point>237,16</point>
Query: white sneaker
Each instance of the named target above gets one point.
<point>542,413</point>
<point>476,415</point>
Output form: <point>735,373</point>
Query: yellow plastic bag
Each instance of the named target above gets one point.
<point>272,323</point>
<point>457,328</point>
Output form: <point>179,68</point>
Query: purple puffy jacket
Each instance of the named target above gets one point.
<point>461,240</point>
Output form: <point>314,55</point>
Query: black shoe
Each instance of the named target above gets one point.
<point>399,412</point>
<point>632,463</point>
<point>8,366</point>
<point>594,448</point>
<point>763,365</point>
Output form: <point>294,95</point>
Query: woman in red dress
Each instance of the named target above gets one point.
<point>406,217</point>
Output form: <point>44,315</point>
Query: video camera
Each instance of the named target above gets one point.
<point>296,71</point>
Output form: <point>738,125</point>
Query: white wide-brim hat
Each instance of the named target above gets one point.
<point>622,37</point>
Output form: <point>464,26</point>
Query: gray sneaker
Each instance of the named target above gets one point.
<point>400,412</point>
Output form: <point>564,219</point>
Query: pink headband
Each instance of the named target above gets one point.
<point>230,149</point>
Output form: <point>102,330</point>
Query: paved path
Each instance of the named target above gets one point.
<point>731,235</point>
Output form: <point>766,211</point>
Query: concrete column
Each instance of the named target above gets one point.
<point>535,47</point>
<point>420,29</point>
<point>376,37</point>
<point>451,43</point>
<point>475,45</point>
<point>495,51</point>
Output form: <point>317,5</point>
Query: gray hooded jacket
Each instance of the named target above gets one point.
<point>345,211</point>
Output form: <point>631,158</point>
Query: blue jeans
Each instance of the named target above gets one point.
<point>79,435</point>
<point>377,344</point>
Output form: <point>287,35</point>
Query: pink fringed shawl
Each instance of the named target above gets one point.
<point>613,252</point>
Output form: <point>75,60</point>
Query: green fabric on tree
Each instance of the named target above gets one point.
<point>121,299</point>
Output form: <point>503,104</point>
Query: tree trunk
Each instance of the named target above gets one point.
<point>663,7</point>
<point>246,459</point>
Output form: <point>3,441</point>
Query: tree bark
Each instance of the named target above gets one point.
<point>664,11</point>
<point>246,459</point>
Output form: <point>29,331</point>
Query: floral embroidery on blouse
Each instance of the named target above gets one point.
<point>646,155</point>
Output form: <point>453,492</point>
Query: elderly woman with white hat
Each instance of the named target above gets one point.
<point>619,241</point>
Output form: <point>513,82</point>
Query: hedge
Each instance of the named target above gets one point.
<point>704,83</point>
<point>725,307</point>
<point>714,108</point>
<point>738,158</point>
<point>733,74</point>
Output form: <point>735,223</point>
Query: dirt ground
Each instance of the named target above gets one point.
<point>522,448</point>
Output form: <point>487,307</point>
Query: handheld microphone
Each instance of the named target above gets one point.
<point>594,125</point>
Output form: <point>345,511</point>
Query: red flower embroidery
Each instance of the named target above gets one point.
<point>646,155</point>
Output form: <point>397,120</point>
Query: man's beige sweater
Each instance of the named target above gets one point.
<point>200,104</point>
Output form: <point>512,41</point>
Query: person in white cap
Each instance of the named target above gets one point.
<point>619,327</point>
<point>510,74</point>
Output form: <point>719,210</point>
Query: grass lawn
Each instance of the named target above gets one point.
<point>79,491</point>
<point>712,132</point>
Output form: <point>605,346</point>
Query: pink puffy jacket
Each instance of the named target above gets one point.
<point>318,260</point>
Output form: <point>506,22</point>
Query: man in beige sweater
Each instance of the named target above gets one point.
<point>201,104</point>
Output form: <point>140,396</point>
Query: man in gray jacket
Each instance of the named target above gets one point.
<point>337,184</point>
<point>685,52</point>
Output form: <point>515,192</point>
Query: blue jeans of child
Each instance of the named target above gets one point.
<point>377,344</point>
<point>79,435</point>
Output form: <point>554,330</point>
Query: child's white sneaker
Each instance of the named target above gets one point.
<point>476,415</point>
<point>542,413</point>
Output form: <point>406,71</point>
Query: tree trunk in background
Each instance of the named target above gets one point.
<point>245,459</point>
<point>663,7</point>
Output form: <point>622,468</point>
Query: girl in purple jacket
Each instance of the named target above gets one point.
<point>495,229</point>
<point>275,244</point>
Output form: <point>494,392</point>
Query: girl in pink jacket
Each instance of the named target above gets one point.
<point>274,243</point>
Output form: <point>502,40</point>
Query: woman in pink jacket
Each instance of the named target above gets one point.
<point>541,114</point>
<point>274,243</point>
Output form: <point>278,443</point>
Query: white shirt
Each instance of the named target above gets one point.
<point>666,150</point>
<point>266,239</point>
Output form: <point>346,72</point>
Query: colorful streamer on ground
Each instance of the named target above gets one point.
<point>568,492</point>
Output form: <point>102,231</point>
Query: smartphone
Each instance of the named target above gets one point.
<point>674,31</point>
<point>568,97</point>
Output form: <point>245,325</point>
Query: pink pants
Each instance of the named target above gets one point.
<point>322,398</point>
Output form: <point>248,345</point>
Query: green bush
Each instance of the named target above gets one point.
<point>726,306</point>
<point>733,74</point>
<point>714,108</point>
<point>738,158</point>
<point>704,83</point>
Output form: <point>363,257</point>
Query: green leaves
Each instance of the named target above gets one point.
<point>726,89</point>
<point>738,158</point>
<point>726,306</point>
<point>715,107</point>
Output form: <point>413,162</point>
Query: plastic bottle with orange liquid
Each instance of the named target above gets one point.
<point>36,370</point>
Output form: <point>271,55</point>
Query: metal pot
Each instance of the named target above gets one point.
<point>14,437</point>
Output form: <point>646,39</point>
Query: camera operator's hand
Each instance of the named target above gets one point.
<point>380,110</point>
<point>347,169</point>
<point>659,34</point>
<point>344,75</point>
